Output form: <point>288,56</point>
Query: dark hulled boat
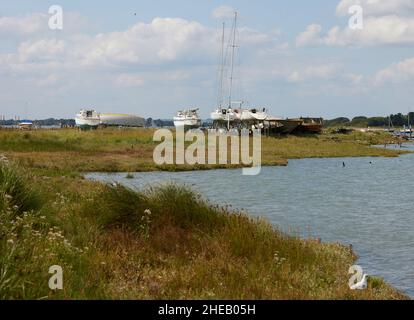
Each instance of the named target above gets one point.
<point>290,125</point>
<point>280,126</point>
<point>310,125</point>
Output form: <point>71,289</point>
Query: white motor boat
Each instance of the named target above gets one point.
<point>87,119</point>
<point>189,119</point>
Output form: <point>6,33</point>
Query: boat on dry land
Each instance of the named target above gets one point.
<point>310,125</point>
<point>289,125</point>
<point>225,116</point>
<point>87,119</point>
<point>189,119</point>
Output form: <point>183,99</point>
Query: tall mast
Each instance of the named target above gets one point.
<point>220,97</point>
<point>233,45</point>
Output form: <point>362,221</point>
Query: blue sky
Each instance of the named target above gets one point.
<point>152,58</point>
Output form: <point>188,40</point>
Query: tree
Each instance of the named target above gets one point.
<point>399,120</point>
<point>377,122</point>
<point>336,122</point>
<point>148,122</point>
<point>359,122</point>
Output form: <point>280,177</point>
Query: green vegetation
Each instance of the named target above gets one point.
<point>397,120</point>
<point>71,152</point>
<point>161,243</point>
<point>328,145</point>
<point>164,242</point>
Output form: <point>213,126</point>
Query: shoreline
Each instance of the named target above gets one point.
<point>161,243</point>
<point>184,168</point>
<point>274,217</point>
<point>110,150</point>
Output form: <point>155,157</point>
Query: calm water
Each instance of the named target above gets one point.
<point>367,204</point>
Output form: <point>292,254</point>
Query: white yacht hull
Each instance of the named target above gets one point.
<point>187,119</point>
<point>229,115</point>
<point>248,115</point>
<point>193,123</point>
<point>87,119</point>
<point>88,122</point>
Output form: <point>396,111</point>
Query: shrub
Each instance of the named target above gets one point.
<point>15,190</point>
<point>118,206</point>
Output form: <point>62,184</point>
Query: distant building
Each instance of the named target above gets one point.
<point>124,120</point>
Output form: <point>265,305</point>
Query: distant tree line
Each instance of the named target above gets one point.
<point>162,123</point>
<point>45,122</point>
<point>397,120</point>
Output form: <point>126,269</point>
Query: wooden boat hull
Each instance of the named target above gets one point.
<point>289,125</point>
<point>311,128</point>
<point>310,125</point>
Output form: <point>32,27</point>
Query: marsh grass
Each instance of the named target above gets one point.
<point>69,151</point>
<point>165,242</point>
<point>15,191</point>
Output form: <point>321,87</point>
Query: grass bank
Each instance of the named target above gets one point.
<point>69,152</point>
<point>162,243</point>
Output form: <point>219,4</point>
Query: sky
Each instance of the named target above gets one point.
<point>153,58</point>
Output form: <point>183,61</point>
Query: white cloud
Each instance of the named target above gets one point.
<point>397,72</point>
<point>172,53</point>
<point>36,25</point>
<point>283,46</point>
<point>174,49</point>
<point>223,13</point>
<point>310,36</point>
<point>119,57</point>
<point>130,80</point>
<point>250,37</point>
<point>45,49</point>
<point>321,72</point>
<point>385,23</point>
<point>162,40</point>
<point>23,25</point>
<point>46,81</point>
<point>354,78</point>
<point>384,30</point>
<point>377,7</point>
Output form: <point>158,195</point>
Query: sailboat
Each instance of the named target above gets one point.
<point>223,115</point>
<point>226,115</point>
<point>189,119</point>
<point>390,126</point>
<point>407,131</point>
